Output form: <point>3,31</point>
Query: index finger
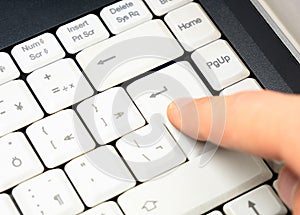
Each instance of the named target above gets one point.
<point>263,123</point>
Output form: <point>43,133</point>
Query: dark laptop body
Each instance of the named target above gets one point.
<point>240,23</point>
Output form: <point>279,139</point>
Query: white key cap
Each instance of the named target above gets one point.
<point>275,185</point>
<point>193,189</point>
<point>37,52</point>
<point>275,165</point>
<point>107,208</point>
<point>99,175</point>
<point>59,85</point>
<point>110,115</point>
<point>48,193</point>
<point>59,138</point>
<point>18,108</point>
<point>150,151</point>
<point>219,64</point>
<point>129,54</point>
<point>215,213</point>
<point>244,85</point>
<point>8,70</point>
<point>192,26</point>
<point>7,206</point>
<point>81,33</point>
<point>18,162</point>
<point>152,97</point>
<point>125,14</point>
<point>262,200</point>
<point>160,7</point>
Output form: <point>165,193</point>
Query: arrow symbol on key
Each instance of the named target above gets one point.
<point>153,95</point>
<point>101,62</point>
<point>252,205</point>
<point>69,137</point>
<point>118,115</point>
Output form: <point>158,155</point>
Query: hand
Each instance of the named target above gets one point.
<point>262,123</point>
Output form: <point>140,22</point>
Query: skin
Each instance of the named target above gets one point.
<point>262,123</point>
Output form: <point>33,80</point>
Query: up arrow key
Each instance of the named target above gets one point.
<point>252,205</point>
<point>262,200</point>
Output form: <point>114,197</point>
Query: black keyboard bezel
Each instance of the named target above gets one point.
<point>255,41</point>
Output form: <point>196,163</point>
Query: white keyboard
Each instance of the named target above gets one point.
<point>83,124</point>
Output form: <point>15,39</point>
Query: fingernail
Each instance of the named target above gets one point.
<point>173,112</point>
<point>176,109</point>
<point>182,113</point>
<point>287,185</point>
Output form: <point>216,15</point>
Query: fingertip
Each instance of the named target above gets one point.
<point>288,183</point>
<point>173,114</point>
<point>184,114</point>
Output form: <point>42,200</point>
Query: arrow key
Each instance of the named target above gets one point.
<point>262,200</point>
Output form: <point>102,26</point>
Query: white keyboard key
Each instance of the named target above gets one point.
<point>99,175</point>
<point>7,206</point>
<point>219,64</point>
<point>107,208</point>
<point>160,7</point>
<point>8,70</point>
<point>18,108</point>
<point>275,165</point>
<point>192,27</point>
<point>48,193</point>
<point>110,115</point>
<point>275,185</point>
<point>125,14</point>
<point>59,85</point>
<point>244,85</point>
<point>215,213</point>
<point>37,52</point>
<point>150,151</point>
<point>81,33</point>
<point>152,97</point>
<point>129,54</point>
<point>193,189</point>
<point>59,138</point>
<point>18,162</point>
<point>262,200</point>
